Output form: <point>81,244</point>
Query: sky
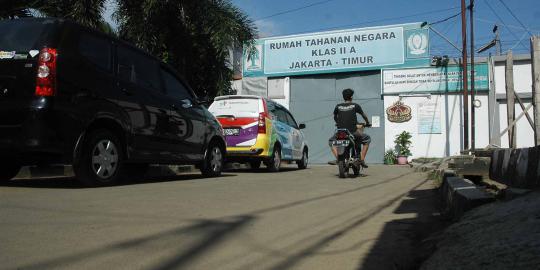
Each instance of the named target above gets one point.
<point>286,17</point>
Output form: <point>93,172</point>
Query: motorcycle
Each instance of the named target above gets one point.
<point>348,152</point>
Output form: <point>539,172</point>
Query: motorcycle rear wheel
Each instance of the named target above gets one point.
<point>343,169</point>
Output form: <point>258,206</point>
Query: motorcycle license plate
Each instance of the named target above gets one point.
<point>231,131</point>
<point>340,142</point>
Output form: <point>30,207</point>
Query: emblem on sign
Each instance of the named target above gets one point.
<point>399,112</point>
<point>417,43</point>
<point>253,58</point>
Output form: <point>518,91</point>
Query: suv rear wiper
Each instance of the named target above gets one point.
<point>226,115</point>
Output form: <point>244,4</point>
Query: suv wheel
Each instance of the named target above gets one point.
<point>302,164</point>
<point>213,161</point>
<point>9,170</point>
<point>100,161</point>
<point>275,161</point>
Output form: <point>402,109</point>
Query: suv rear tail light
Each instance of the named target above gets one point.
<point>46,73</point>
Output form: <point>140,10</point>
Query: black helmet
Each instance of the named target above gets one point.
<point>347,94</point>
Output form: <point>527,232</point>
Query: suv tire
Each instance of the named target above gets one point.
<point>302,164</point>
<point>212,164</point>
<point>100,161</point>
<point>9,170</point>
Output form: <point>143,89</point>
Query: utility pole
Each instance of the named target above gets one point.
<point>464,75</point>
<point>473,120</point>
<point>510,99</point>
<point>535,58</point>
<point>497,40</point>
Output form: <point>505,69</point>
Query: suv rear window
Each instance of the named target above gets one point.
<point>236,107</point>
<point>21,35</point>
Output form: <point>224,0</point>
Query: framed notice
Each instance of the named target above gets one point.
<point>429,117</point>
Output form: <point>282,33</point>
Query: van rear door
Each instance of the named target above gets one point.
<point>20,42</point>
<point>239,117</point>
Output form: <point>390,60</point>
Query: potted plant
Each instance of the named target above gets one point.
<point>390,157</point>
<point>403,142</point>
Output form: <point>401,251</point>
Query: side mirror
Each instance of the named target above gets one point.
<point>302,126</point>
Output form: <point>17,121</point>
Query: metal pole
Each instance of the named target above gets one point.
<point>498,41</point>
<point>473,128</point>
<point>464,75</point>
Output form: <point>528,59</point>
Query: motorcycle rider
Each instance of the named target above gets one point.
<point>345,117</point>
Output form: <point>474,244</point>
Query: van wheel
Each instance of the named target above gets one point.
<point>9,170</point>
<point>100,161</point>
<point>302,164</point>
<point>274,163</point>
<point>213,161</point>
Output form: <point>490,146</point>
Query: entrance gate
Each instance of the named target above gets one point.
<point>312,101</point>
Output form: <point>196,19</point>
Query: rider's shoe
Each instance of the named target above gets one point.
<point>332,162</point>
<point>363,164</point>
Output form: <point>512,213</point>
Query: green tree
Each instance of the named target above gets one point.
<point>85,12</point>
<point>194,36</point>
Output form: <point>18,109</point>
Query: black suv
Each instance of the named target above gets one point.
<point>72,95</point>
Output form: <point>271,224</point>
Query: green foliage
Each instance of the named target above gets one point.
<point>403,143</point>
<point>85,12</point>
<point>390,156</point>
<point>194,36</point>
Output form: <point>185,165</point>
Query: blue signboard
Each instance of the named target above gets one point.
<point>338,51</point>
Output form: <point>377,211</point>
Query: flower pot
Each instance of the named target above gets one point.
<point>401,160</point>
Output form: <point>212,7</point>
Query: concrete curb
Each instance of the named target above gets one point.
<point>459,195</point>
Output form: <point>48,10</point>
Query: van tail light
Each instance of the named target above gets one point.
<point>262,118</point>
<point>262,123</point>
<point>46,73</point>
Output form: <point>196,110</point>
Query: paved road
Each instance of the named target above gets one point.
<point>295,219</point>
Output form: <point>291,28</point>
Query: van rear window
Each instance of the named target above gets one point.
<point>20,35</point>
<point>235,107</point>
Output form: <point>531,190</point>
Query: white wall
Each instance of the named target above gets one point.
<point>285,84</point>
<point>522,78</point>
<point>449,141</point>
